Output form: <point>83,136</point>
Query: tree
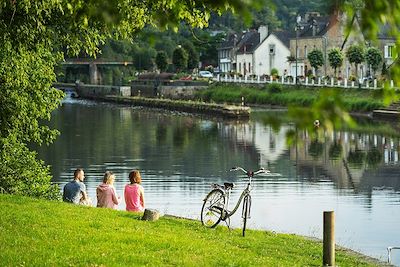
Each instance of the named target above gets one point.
<point>161,61</point>
<point>316,59</point>
<point>193,55</point>
<point>373,57</point>
<point>180,59</point>
<point>355,54</point>
<point>35,37</point>
<point>335,57</point>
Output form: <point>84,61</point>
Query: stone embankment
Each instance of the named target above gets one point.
<point>223,110</point>
<point>133,96</point>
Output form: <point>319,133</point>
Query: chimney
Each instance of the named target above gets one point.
<point>235,39</point>
<point>314,27</point>
<point>263,31</point>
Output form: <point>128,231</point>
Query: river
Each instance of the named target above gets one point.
<point>356,174</point>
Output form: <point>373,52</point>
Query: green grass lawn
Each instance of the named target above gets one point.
<point>43,233</point>
<point>276,94</point>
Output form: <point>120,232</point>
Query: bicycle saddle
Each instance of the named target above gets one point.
<point>229,185</point>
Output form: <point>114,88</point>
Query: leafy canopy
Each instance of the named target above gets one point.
<point>35,36</point>
<point>316,58</point>
<point>373,57</point>
<point>161,61</point>
<point>335,57</point>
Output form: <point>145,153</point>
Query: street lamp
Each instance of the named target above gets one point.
<point>297,28</point>
<point>325,44</point>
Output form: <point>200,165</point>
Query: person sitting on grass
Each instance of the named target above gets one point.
<point>106,195</point>
<point>75,191</point>
<point>134,193</point>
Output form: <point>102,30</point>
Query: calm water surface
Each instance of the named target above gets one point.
<point>356,174</point>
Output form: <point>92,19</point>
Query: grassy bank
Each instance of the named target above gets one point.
<point>275,94</point>
<point>39,233</point>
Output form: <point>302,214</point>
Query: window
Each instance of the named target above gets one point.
<point>249,68</point>
<point>305,52</point>
<point>389,51</point>
<point>272,49</point>
<point>240,67</point>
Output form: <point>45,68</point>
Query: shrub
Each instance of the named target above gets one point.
<point>274,72</point>
<point>274,88</point>
<point>22,174</point>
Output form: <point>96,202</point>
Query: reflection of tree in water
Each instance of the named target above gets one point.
<point>374,157</point>
<point>356,158</point>
<point>315,149</point>
<point>335,150</point>
<point>161,133</point>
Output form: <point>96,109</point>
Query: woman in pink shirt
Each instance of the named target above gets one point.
<point>106,195</point>
<point>134,193</point>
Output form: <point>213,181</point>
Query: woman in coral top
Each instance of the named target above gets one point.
<point>106,195</point>
<point>134,193</point>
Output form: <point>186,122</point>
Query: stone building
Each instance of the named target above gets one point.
<point>324,33</point>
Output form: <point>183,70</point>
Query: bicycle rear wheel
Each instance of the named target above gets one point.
<point>246,212</point>
<point>213,206</point>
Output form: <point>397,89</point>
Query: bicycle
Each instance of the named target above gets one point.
<point>215,206</point>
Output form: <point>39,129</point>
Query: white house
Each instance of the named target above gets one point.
<point>272,53</point>
<point>261,51</point>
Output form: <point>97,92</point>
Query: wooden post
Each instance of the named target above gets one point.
<point>329,239</point>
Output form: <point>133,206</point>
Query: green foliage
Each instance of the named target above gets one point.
<point>328,102</point>
<point>22,174</point>
<point>162,61</point>
<point>315,149</point>
<point>120,238</point>
<point>373,57</point>
<point>180,59</point>
<point>374,157</point>
<point>355,54</point>
<point>193,56</point>
<point>316,59</point>
<point>274,72</point>
<point>32,33</point>
<point>356,158</point>
<point>291,59</point>
<point>335,150</point>
<point>274,88</point>
<point>335,57</point>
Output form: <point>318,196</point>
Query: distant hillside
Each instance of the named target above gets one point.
<point>282,15</point>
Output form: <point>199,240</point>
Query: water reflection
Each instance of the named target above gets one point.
<point>355,173</point>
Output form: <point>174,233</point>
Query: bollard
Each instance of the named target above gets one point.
<point>329,239</point>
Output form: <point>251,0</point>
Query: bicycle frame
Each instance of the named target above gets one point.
<point>216,203</point>
<point>226,213</point>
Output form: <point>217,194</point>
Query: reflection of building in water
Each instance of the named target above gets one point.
<point>269,144</point>
<point>351,160</point>
<point>348,159</point>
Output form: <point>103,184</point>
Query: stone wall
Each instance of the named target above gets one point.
<point>88,90</point>
<point>169,89</point>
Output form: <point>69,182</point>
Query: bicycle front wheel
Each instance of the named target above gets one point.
<point>212,210</point>
<point>246,212</point>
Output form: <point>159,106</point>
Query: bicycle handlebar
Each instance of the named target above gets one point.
<point>250,173</point>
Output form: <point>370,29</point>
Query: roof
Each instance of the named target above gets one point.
<point>229,41</point>
<point>248,42</point>
<point>321,25</point>
<point>284,36</point>
<point>384,32</point>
